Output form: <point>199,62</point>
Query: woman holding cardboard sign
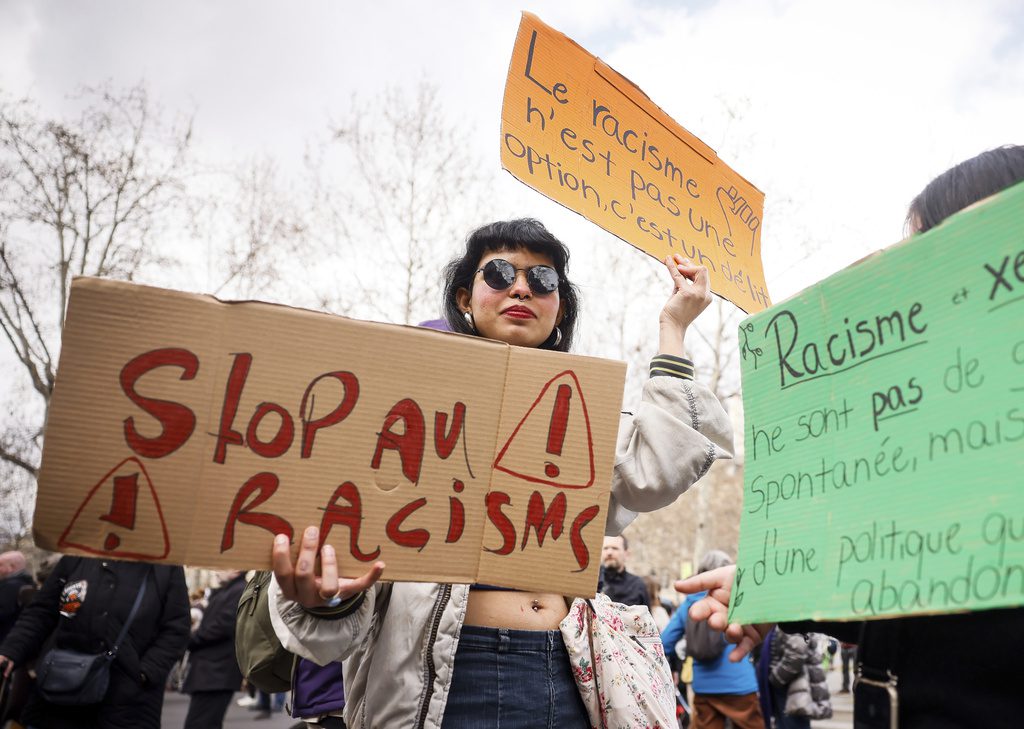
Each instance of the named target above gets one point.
<point>431,655</point>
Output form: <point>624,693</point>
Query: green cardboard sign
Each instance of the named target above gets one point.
<point>884,432</point>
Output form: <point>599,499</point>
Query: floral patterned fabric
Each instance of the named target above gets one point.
<point>619,665</point>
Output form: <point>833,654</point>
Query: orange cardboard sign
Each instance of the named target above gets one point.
<point>187,430</point>
<point>578,132</point>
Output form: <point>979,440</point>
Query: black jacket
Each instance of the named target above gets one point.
<point>10,587</point>
<point>155,640</point>
<point>953,671</point>
<point>212,665</point>
<point>625,587</point>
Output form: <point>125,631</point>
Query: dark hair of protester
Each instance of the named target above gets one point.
<point>963,185</point>
<point>511,235</point>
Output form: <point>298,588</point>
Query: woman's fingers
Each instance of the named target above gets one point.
<point>716,581</point>
<point>678,279</point>
<point>363,582</point>
<point>306,584</point>
<point>746,638</point>
<point>281,560</point>
<point>299,580</point>
<point>691,291</point>
<point>328,587</point>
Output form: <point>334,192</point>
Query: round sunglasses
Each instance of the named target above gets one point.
<point>499,274</point>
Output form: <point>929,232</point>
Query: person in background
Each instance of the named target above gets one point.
<point>954,671</point>
<point>213,673</point>
<point>83,605</point>
<point>618,583</point>
<point>791,679</point>
<point>848,657</point>
<point>16,589</point>
<point>723,690</point>
<point>13,577</point>
<point>658,610</point>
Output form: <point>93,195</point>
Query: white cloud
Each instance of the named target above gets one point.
<point>845,111</point>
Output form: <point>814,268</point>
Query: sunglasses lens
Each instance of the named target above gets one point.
<point>499,274</point>
<point>542,279</point>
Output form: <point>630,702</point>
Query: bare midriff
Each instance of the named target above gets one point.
<point>516,610</point>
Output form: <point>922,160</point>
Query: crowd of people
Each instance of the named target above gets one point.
<point>104,637</point>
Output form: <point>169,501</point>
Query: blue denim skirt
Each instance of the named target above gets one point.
<point>512,679</point>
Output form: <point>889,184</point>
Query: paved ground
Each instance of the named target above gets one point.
<point>176,707</point>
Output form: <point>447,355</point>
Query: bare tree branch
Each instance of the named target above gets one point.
<point>78,196</point>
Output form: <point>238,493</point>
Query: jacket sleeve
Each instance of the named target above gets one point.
<point>790,664</point>
<point>316,638</point>
<point>9,588</point>
<point>39,618</point>
<point>677,432</point>
<point>172,635</point>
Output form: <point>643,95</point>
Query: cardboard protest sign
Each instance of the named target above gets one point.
<point>187,430</point>
<point>575,130</point>
<point>884,432</point>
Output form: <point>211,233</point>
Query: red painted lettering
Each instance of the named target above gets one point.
<point>227,435</point>
<point>409,444</point>
<point>176,420</point>
<point>494,501</point>
<point>415,538</point>
<point>350,386</point>
<point>456,514</point>
<point>261,487</point>
<point>350,516</point>
<point>282,440</point>
<point>540,520</point>
<point>444,443</point>
<point>579,547</point>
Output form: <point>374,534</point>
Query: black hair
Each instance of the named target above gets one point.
<point>965,184</point>
<point>511,235</point>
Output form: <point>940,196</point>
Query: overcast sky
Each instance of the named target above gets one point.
<point>841,111</point>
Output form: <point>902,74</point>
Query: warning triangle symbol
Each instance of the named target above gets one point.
<point>120,517</point>
<point>552,444</point>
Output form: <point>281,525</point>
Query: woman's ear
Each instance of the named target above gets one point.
<point>561,313</point>
<point>462,298</point>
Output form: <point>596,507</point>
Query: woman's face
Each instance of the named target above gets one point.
<point>515,315</point>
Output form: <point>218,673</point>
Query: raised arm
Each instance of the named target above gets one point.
<point>679,428</point>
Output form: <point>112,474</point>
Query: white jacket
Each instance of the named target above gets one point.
<point>398,646</point>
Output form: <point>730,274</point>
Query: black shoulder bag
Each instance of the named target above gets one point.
<point>70,678</point>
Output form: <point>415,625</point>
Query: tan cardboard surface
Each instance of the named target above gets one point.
<point>187,430</point>
<point>546,485</point>
<point>580,133</point>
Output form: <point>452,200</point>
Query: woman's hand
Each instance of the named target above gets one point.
<point>299,581</point>
<point>691,294</point>
<point>714,607</point>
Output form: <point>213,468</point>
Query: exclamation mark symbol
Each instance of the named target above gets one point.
<point>122,508</point>
<point>559,422</point>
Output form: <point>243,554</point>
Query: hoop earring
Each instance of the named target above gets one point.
<point>468,316</point>
<point>558,337</point>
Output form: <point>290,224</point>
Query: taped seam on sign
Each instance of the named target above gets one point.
<point>630,90</point>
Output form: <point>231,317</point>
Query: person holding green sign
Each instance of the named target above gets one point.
<point>453,656</point>
<point>935,671</point>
